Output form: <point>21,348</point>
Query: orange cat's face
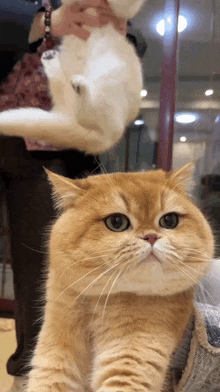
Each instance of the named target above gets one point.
<point>129,232</point>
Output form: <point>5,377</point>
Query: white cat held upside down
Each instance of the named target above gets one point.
<point>95,88</point>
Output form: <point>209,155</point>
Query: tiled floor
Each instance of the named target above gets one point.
<point>7,347</point>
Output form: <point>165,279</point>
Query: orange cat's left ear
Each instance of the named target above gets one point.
<point>184,176</point>
<point>66,191</point>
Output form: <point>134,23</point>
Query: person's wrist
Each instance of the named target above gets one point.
<point>56,22</point>
<point>41,24</point>
<point>37,30</point>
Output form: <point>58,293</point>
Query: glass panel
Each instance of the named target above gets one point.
<point>198,91</point>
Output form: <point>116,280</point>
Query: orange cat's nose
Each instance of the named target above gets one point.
<point>151,238</point>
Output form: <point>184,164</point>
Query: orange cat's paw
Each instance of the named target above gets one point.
<point>58,387</point>
<point>53,388</point>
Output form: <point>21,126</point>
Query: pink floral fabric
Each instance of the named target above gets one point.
<point>27,86</point>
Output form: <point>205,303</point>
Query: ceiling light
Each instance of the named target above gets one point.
<point>139,122</point>
<point>185,118</point>
<point>182,24</point>
<point>143,93</point>
<point>209,92</point>
<point>183,138</point>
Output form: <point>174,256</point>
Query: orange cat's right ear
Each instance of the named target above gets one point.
<point>66,191</point>
<point>184,176</point>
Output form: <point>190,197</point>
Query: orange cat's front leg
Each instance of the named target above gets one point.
<point>60,356</point>
<point>134,339</point>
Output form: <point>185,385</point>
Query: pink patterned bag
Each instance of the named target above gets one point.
<point>27,86</point>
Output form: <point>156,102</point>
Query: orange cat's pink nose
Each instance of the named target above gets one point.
<point>151,238</point>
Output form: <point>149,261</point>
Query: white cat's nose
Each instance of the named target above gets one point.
<point>79,84</point>
<point>76,87</point>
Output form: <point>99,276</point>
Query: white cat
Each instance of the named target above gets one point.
<point>95,87</point>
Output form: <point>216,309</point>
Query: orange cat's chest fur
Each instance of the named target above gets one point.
<point>124,258</point>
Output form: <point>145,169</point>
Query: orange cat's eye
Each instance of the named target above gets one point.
<point>117,222</point>
<point>169,221</point>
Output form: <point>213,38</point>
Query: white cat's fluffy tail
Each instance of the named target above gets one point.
<point>53,127</point>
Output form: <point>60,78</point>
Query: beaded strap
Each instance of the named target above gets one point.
<point>47,22</point>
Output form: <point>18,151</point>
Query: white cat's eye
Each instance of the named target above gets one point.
<point>169,221</point>
<point>117,222</point>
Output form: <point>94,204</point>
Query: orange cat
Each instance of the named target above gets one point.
<point>125,255</point>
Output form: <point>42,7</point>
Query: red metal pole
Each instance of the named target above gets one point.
<point>168,85</point>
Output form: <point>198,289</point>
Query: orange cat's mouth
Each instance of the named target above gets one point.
<point>149,258</point>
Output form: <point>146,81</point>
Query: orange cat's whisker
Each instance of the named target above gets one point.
<point>102,167</point>
<point>210,278</point>
<point>200,295</point>
<point>105,304</point>
<point>192,278</point>
<point>35,250</point>
<point>95,280</point>
<point>98,255</point>
<point>200,285</point>
<point>186,273</point>
<point>102,293</point>
<point>78,280</point>
<point>110,293</point>
<point>190,267</point>
<point>194,251</point>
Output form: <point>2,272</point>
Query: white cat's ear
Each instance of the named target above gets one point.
<point>65,190</point>
<point>184,176</point>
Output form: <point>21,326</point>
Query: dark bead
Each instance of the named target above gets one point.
<point>47,35</point>
<point>47,22</point>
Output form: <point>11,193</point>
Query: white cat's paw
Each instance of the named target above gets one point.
<point>51,62</point>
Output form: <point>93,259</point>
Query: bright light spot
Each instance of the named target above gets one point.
<point>139,122</point>
<point>160,27</point>
<point>143,93</point>
<point>209,92</point>
<point>182,24</point>
<point>183,138</point>
<point>185,118</point>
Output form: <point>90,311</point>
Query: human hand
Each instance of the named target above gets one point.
<point>72,19</point>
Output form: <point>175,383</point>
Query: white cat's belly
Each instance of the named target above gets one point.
<point>108,73</point>
<point>73,53</point>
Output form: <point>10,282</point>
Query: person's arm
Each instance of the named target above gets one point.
<point>63,21</point>
<point>73,19</point>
